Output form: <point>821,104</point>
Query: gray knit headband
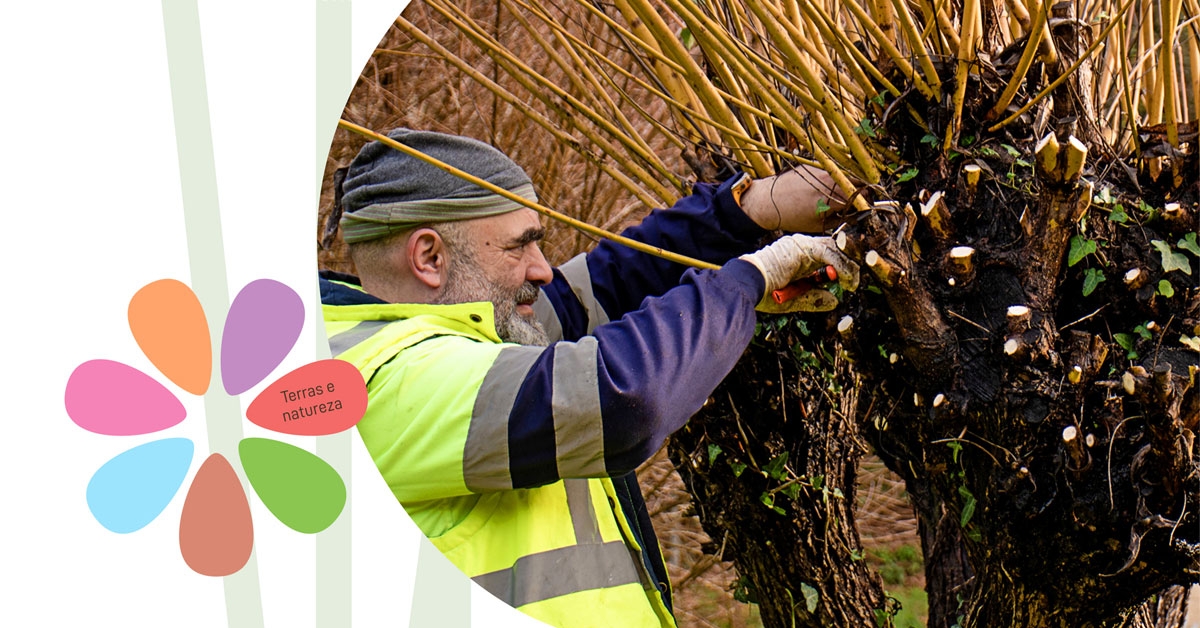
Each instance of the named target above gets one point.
<point>386,191</point>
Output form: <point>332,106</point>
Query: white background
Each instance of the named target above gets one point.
<point>93,211</point>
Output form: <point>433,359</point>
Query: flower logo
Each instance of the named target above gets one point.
<point>215,531</point>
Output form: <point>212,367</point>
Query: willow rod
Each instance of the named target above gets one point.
<point>1071,70</point>
<point>629,184</point>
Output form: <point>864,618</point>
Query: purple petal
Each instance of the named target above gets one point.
<point>263,324</point>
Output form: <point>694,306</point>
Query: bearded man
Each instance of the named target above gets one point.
<point>510,402</point>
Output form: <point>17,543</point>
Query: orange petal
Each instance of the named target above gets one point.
<point>215,532</point>
<point>169,325</point>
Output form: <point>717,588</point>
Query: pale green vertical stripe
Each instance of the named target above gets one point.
<point>333,597</point>
<point>441,593</point>
<point>206,256</point>
<point>333,81</point>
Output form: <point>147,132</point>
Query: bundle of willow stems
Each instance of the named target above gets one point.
<point>773,83</point>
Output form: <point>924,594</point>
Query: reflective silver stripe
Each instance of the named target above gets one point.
<point>578,427</point>
<point>583,513</point>
<point>556,572</point>
<point>344,341</point>
<point>576,272</point>
<point>548,317</point>
<point>485,456</point>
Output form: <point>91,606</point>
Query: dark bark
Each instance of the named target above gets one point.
<point>771,462</point>
<point>1048,448</point>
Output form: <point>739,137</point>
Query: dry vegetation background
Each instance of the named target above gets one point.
<point>404,85</point>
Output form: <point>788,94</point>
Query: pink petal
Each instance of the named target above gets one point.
<point>108,397</point>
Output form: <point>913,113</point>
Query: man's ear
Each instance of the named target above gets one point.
<point>425,253</point>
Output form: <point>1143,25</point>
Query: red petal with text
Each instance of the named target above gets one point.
<point>316,399</point>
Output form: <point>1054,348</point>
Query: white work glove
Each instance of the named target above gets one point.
<point>793,257</point>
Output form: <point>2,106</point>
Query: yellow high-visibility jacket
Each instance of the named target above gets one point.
<point>516,461</point>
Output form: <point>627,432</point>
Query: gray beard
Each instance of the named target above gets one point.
<point>465,284</point>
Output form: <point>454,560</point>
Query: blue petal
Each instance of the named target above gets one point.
<point>130,490</point>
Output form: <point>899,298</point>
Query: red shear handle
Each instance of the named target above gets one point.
<point>827,274</point>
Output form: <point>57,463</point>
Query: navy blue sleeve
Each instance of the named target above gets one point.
<point>653,369</point>
<point>707,225</point>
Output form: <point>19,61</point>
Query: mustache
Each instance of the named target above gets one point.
<point>527,293</point>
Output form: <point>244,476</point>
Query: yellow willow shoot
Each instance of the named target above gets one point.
<point>1194,58</point>
<point>530,80</point>
<point>946,26</point>
<point>696,78</point>
<point>668,72</point>
<point>781,32</point>
<point>662,195</point>
<point>1128,89</point>
<point>916,43</point>
<point>1018,11</point>
<point>966,57</point>
<point>753,143</point>
<point>897,57</point>
<point>1018,77</point>
<point>1170,17</point>
<point>881,11</point>
<point>585,82</point>
<point>1087,54</point>
<point>1150,72</point>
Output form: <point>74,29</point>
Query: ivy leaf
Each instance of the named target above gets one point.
<point>1011,151</point>
<point>1118,214</point>
<point>737,467</point>
<point>908,175</point>
<point>775,468</point>
<point>1189,244</point>
<point>803,327</point>
<point>686,38</point>
<point>1081,247</point>
<point>1091,278</point>
<point>713,451</point>
<point>817,481</point>
<point>1172,260</point>
<point>930,139</point>
<point>768,499</point>
<point>955,447</point>
<point>1165,288</point>
<point>968,509</point>
<point>1142,331</point>
<point>1126,341</point>
<point>811,596</point>
<point>865,128</point>
<point>822,206</point>
<point>792,490</point>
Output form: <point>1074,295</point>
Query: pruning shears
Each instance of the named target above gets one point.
<point>825,275</point>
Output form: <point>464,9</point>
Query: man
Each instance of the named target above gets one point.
<point>509,402</point>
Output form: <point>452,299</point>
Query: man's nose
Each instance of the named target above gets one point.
<point>538,272</point>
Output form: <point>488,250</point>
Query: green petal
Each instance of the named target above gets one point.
<point>300,489</point>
